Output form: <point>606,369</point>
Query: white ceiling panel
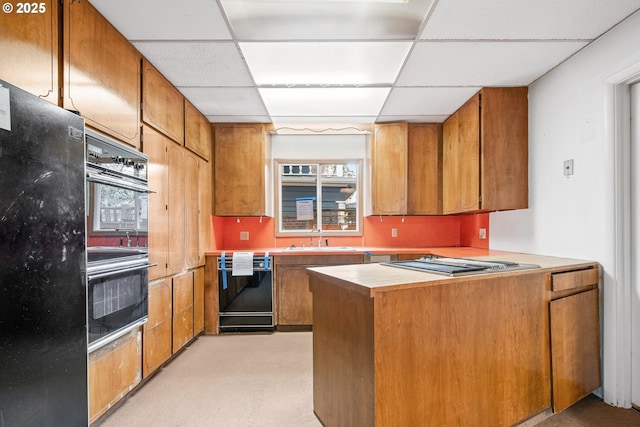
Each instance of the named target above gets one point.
<point>165,19</point>
<point>314,63</point>
<point>225,101</point>
<point>362,61</point>
<point>426,101</point>
<point>328,102</point>
<point>253,20</point>
<point>198,63</point>
<point>483,63</point>
<point>412,119</point>
<point>525,19</point>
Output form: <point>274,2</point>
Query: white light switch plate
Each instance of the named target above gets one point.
<point>568,167</point>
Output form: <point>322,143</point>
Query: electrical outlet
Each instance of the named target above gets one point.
<point>244,235</point>
<point>394,232</point>
<point>482,234</point>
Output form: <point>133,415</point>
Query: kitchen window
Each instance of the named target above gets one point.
<point>319,196</point>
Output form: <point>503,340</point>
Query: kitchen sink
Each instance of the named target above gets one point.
<point>459,266</point>
<point>320,249</point>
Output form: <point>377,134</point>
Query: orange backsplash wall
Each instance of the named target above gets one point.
<point>413,231</point>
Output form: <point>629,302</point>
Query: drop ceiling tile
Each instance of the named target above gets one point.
<point>412,119</point>
<point>165,19</point>
<point>253,20</point>
<point>483,63</point>
<point>328,63</point>
<point>225,101</point>
<point>426,101</point>
<point>525,19</point>
<point>198,63</point>
<point>238,119</point>
<point>328,102</point>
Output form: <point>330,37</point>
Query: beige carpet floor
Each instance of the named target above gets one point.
<point>265,380</point>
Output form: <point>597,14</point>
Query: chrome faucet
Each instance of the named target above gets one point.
<point>319,237</point>
<point>126,232</point>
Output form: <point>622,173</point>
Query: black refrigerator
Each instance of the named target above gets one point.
<point>43,302</point>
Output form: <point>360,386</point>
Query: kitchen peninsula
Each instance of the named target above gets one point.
<point>400,347</point>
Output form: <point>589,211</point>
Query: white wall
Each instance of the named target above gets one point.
<point>573,217</point>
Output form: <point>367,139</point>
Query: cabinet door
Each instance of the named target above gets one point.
<point>101,73</point>
<point>450,168</point>
<point>505,148</point>
<point>155,146</point>
<point>182,310</point>
<point>156,338</point>
<point>389,169</point>
<point>468,155</point>
<point>197,132</point>
<point>113,371</point>
<point>176,211</point>
<point>205,188</point>
<point>295,301</point>
<point>198,300</point>
<point>163,105</point>
<point>239,170</point>
<point>191,206</point>
<point>424,170</point>
<point>29,46</point>
<point>575,348</point>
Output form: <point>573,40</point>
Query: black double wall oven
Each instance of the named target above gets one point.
<point>117,239</point>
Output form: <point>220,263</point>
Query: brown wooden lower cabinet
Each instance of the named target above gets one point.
<point>182,310</point>
<point>114,370</point>
<point>198,300</point>
<point>294,301</point>
<point>156,346</point>
<point>575,340</point>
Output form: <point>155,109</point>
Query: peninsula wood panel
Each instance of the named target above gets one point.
<point>197,131</point>
<point>101,73</point>
<point>239,156</point>
<point>473,353</point>
<point>155,146</point>
<point>163,105</point>
<point>389,169</point>
<point>211,296</point>
<point>424,193</point>
<point>505,149</point>
<point>343,357</point>
<point>29,46</point>
<point>575,348</point>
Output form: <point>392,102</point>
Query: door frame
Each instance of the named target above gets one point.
<point>617,293</point>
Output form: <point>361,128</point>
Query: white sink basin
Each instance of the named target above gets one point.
<point>320,249</point>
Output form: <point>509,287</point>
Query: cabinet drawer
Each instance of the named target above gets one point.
<point>574,279</point>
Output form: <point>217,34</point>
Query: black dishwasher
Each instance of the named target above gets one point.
<point>245,301</point>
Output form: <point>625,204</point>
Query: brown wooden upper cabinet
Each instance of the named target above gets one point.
<point>163,105</point>
<point>485,153</point>
<point>239,164</point>
<point>389,151</point>
<point>29,45</point>
<point>197,131</point>
<point>424,179</point>
<point>101,73</point>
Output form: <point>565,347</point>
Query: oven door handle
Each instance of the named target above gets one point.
<point>105,179</point>
<point>119,270</point>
